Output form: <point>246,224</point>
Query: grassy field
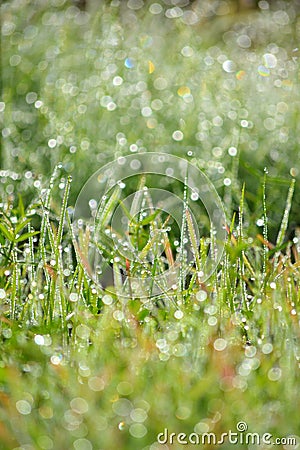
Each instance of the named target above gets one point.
<point>111,330</point>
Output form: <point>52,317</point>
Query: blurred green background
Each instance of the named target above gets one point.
<point>216,82</point>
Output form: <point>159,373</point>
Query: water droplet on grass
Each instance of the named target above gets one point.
<point>122,425</point>
<point>82,331</point>
<point>267,348</point>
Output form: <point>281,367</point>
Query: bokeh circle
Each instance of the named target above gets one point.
<point>117,197</point>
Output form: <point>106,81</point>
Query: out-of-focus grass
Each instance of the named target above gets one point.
<point>77,369</point>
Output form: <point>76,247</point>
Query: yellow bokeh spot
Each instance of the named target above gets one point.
<point>183,90</point>
<point>240,74</point>
<point>151,67</point>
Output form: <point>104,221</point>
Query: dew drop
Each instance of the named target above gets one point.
<point>73,297</point>
<point>23,407</point>
<point>267,348</point>
<point>155,8</point>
